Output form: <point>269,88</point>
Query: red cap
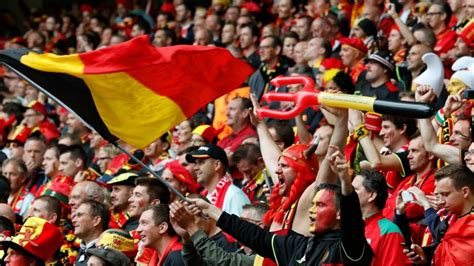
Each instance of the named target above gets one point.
<point>251,6</point>
<point>355,43</point>
<point>38,238</point>
<point>373,121</point>
<point>167,8</point>
<point>182,175</point>
<point>60,188</point>
<point>395,27</point>
<point>38,107</point>
<point>467,34</point>
<point>208,132</point>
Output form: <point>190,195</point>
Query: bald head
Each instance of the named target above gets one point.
<point>85,190</point>
<point>320,28</point>
<point>6,211</point>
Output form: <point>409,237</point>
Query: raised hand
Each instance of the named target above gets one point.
<point>338,163</point>
<point>424,94</point>
<point>391,10</point>
<point>356,118</point>
<point>253,113</point>
<point>453,103</point>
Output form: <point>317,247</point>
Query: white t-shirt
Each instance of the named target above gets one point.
<point>234,199</point>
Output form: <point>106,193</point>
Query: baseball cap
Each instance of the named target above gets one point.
<point>110,255</point>
<point>208,151</point>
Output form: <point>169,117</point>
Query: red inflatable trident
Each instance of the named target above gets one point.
<point>309,97</point>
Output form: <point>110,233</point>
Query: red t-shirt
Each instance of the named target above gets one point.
<point>234,140</point>
<point>384,237</point>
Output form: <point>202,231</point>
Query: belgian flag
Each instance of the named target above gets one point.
<point>132,91</point>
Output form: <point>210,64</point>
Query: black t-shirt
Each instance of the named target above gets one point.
<point>174,258</point>
<point>381,92</point>
<point>403,158</point>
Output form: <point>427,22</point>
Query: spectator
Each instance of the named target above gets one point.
<point>383,236</point>
<point>157,152</point>
<point>439,15</point>
<point>415,65</point>
<point>248,38</point>
<point>303,26</point>
<point>46,207</point>
<point>33,153</point>
<point>238,119</point>
<point>352,53</point>
<point>20,198</point>
<point>164,37</point>
<point>285,12</point>
<point>122,187</point>
<point>72,163</point>
<point>376,79</point>
<point>290,38</point>
<point>184,15</point>
<point>157,233</point>
<point>270,50</point>
<point>229,35</point>
<point>277,247</point>
<point>180,178</point>
<point>89,220</point>
<point>48,240</point>
<point>85,190</point>
<point>249,162</point>
<point>147,192</point>
<point>51,162</point>
<point>211,164</point>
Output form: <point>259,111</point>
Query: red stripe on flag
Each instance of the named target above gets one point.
<point>189,75</point>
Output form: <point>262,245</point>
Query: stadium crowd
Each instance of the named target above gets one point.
<point>332,186</point>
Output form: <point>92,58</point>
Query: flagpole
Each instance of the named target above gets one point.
<point>174,190</point>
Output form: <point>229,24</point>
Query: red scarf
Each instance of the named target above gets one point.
<point>17,200</point>
<point>173,245</point>
<point>118,219</point>
<point>218,195</point>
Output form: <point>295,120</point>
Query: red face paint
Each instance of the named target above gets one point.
<point>323,213</point>
<point>142,204</point>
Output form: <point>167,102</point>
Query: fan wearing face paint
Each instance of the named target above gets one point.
<point>337,228</point>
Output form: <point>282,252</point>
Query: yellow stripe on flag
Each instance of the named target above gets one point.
<point>117,95</point>
<point>70,64</point>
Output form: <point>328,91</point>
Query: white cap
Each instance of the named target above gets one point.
<point>464,68</point>
<point>434,73</point>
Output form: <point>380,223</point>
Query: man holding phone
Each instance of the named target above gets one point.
<point>453,234</point>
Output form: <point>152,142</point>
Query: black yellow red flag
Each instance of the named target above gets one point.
<point>132,91</point>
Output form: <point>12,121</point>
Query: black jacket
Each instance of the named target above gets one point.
<point>346,245</point>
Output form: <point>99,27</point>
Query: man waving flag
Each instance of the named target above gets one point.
<point>132,91</point>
